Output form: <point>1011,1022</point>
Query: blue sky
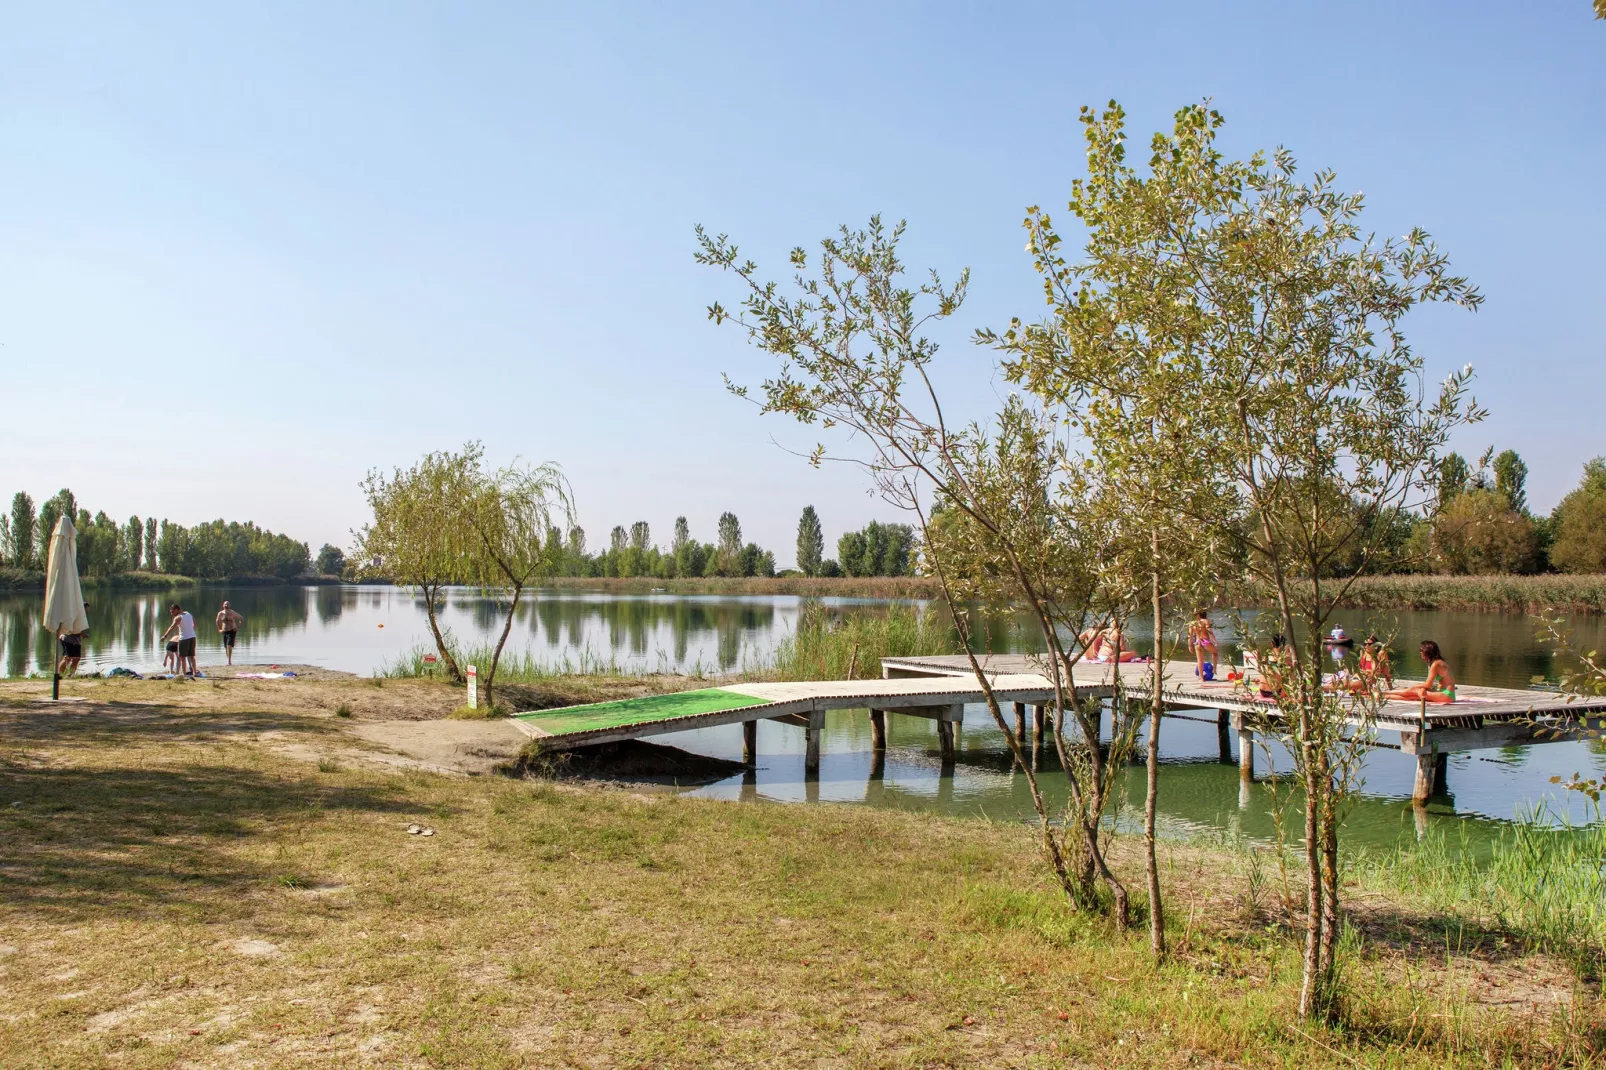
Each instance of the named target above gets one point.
<point>268,248</point>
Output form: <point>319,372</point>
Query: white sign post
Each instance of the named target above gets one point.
<point>473,688</point>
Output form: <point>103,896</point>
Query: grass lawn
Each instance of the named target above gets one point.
<point>197,875</point>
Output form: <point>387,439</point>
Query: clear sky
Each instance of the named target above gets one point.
<point>248,252</point>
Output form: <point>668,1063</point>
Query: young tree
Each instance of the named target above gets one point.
<point>1305,390</point>
<point>727,557</point>
<point>150,544</point>
<point>509,515</point>
<point>23,522</point>
<point>640,537</point>
<point>853,356</point>
<point>1455,476</point>
<point>1121,354</point>
<point>416,537</point>
<point>1511,480</point>
<point>133,545</point>
<point>682,536</point>
<point>810,542</point>
<point>852,553</point>
<point>5,540</point>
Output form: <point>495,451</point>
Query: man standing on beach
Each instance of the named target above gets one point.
<point>185,624</point>
<point>228,626</point>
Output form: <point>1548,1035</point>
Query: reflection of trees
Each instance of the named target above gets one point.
<point>331,602</point>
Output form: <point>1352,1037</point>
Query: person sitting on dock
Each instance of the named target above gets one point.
<point>1374,663</point>
<point>1111,646</point>
<point>1438,687</point>
<point>1278,660</point>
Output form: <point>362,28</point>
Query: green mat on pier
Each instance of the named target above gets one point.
<point>630,711</point>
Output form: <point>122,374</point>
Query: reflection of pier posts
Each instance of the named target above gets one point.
<point>878,765</point>
<point>878,731</point>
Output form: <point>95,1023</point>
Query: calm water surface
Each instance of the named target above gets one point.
<point>361,629</point>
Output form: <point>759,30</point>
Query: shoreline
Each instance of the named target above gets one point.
<point>1562,592</point>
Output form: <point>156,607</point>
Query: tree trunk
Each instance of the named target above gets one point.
<point>1152,794</point>
<point>1329,836</point>
<point>431,593</point>
<point>1308,995</point>
<point>496,652</point>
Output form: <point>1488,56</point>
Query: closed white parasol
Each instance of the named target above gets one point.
<point>64,598</point>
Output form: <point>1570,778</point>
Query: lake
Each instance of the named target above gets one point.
<point>362,629</point>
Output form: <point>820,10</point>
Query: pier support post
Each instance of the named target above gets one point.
<point>945,740</point>
<point>1224,736</point>
<point>811,744</point>
<point>1246,749</point>
<point>1431,772</point>
<point>878,730</point>
<point>1039,716</point>
<point>1020,722</point>
<point>749,742</point>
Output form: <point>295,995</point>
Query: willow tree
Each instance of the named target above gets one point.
<point>853,356</point>
<point>416,537</point>
<point>1302,391</point>
<point>512,540</point>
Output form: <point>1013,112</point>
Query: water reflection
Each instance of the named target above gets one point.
<point>360,629</point>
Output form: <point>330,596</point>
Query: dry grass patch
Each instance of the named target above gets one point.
<point>176,890</point>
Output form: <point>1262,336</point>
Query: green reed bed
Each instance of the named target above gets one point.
<point>523,667</point>
<point>1542,880</point>
<point>1581,593</point>
<point>830,646</point>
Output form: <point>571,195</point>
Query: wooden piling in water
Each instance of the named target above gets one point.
<point>1246,749</point>
<point>749,742</point>
<point>1432,770</point>
<point>1224,736</point>
<point>878,730</point>
<point>1020,722</point>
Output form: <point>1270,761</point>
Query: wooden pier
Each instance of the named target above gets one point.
<point>1481,717</point>
<point>940,686</point>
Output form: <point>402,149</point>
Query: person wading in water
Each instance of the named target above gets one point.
<point>228,626</point>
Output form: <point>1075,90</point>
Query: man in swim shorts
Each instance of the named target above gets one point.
<point>228,626</point>
<point>184,624</point>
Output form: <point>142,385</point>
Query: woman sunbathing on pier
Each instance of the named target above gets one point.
<point>1105,644</point>
<point>1438,687</point>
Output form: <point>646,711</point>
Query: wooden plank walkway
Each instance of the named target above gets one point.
<point>1481,717</point>
<point>940,686</point>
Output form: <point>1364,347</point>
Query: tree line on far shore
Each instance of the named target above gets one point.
<point>1482,524</point>
<point>106,547</point>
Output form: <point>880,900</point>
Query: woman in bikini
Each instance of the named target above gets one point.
<point>1438,687</point>
<point>1202,636</point>
<point>1374,663</point>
